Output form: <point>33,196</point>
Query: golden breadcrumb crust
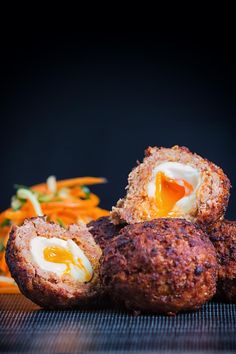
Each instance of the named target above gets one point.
<point>46,288</point>
<point>103,230</point>
<point>223,237</point>
<point>212,196</point>
<point>161,266</point>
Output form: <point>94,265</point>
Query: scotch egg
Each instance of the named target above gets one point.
<point>165,266</point>
<point>174,182</point>
<point>223,238</point>
<point>53,266</point>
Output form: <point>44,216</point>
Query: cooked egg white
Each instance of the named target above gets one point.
<point>174,187</point>
<point>61,257</point>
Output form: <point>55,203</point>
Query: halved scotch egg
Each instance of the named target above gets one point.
<point>53,266</point>
<point>173,182</point>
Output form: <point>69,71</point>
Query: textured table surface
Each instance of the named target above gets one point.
<point>25,328</point>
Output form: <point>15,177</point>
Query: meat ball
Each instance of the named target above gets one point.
<point>54,267</point>
<point>160,266</point>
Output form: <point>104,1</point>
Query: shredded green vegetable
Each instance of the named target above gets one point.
<point>60,222</point>
<point>27,194</point>
<point>2,247</point>
<point>6,222</point>
<point>17,203</point>
<point>45,198</point>
<point>86,191</point>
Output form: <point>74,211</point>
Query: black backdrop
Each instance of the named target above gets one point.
<point>85,103</point>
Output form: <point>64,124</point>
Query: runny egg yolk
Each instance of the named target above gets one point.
<point>168,192</point>
<point>57,254</point>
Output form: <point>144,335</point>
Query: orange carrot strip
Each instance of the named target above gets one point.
<point>66,220</point>
<point>4,232</point>
<point>9,290</point>
<point>4,284</point>
<point>3,214</point>
<point>77,192</point>
<point>91,211</point>
<point>3,265</point>
<point>48,211</point>
<point>42,187</point>
<point>14,214</point>
<point>69,213</point>
<point>80,181</point>
<point>91,202</point>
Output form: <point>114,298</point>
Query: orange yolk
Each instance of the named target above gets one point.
<point>168,192</point>
<point>57,254</point>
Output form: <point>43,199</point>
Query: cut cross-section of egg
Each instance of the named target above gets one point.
<point>174,186</point>
<point>61,257</point>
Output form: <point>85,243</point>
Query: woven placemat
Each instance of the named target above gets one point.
<point>25,328</point>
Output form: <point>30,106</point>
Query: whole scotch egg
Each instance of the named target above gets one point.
<point>223,238</point>
<point>160,266</point>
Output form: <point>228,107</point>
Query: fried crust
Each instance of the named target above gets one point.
<point>160,266</point>
<point>46,288</point>
<point>103,230</point>
<point>223,237</point>
<point>212,197</point>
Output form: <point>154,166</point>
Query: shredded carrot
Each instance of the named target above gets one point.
<point>6,289</point>
<point>70,201</point>
<point>93,201</point>
<point>6,284</point>
<point>81,181</point>
<point>17,216</point>
<point>3,265</point>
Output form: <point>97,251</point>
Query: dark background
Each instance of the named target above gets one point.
<point>89,103</point>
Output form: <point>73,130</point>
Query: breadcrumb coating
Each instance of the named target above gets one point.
<point>161,266</point>
<point>223,237</point>
<point>212,196</point>
<point>44,288</point>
